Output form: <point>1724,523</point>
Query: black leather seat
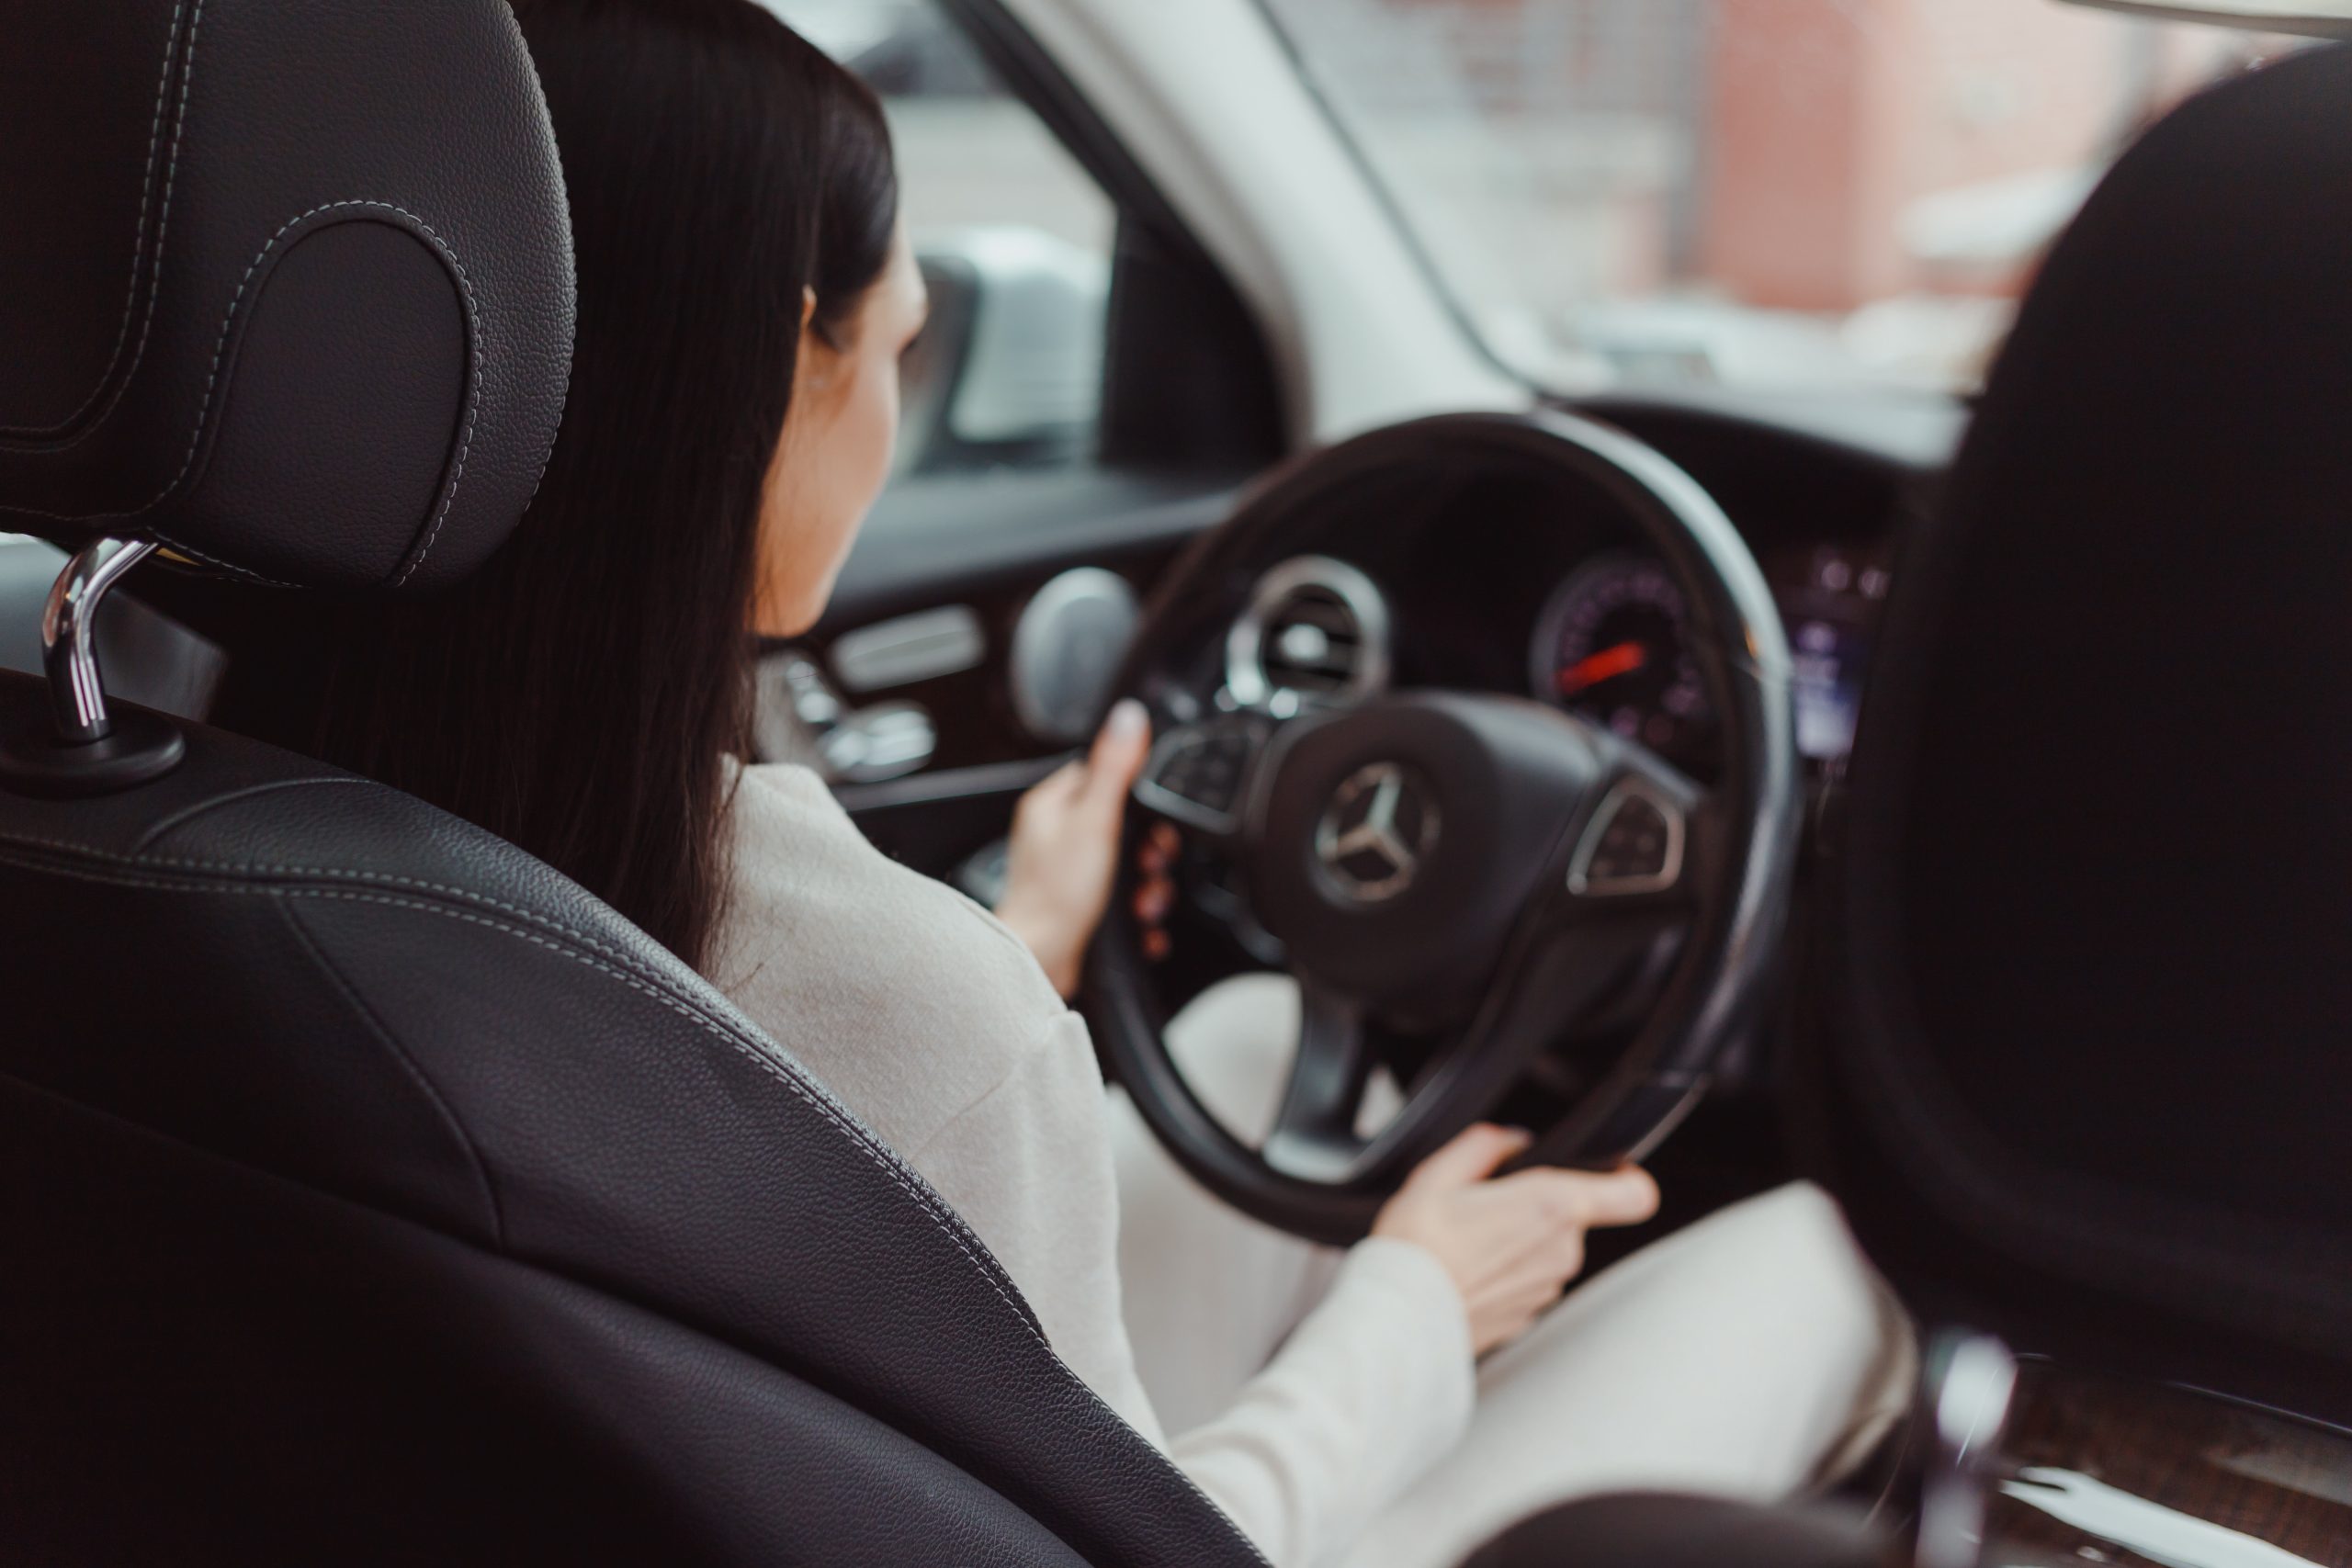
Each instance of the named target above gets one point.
<point>2091,1012</point>
<point>368,1192</point>
<point>370,1189</point>
<point>1641,1530</point>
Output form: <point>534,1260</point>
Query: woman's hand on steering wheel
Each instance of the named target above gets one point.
<point>1514,905</point>
<point>1065,850</point>
<point>1511,1243</point>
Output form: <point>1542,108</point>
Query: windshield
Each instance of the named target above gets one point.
<point>1785,193</point>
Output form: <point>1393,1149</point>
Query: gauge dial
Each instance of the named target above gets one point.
<point>1612,645</point>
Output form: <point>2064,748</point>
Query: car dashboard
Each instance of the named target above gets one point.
<point>1486,584</point>
<point>1500,584</point>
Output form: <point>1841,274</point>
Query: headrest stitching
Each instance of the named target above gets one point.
<point>212,377</point>
<point>229,566</point>
<point>547,457</point>
<point>139,243</point>
<point>473,404</point>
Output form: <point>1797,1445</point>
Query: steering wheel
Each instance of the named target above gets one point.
<point>1488,873</point>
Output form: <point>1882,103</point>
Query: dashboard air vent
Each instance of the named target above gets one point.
<point>1313,644</point>
<point>1317,629</point>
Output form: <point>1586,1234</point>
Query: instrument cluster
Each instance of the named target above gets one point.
<point>1611,640</point>
<point>1612,645</point>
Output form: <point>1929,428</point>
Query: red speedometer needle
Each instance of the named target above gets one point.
<point>1606,665</point>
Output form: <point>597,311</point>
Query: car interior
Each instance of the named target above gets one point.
<point>1945,805</point>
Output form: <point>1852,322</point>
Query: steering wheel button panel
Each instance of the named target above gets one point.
<point>1634,845</point>
<point>1194,774</point>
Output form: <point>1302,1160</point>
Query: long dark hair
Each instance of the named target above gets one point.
<point>579,696</point>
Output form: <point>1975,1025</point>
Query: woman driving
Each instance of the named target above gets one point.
<point>746,291</point>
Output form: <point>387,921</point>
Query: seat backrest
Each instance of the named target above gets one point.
<point>368,1192</point>
<point>368,1189</point>
<point>2096,903</point>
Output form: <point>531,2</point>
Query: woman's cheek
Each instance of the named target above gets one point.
<point>881,442</point>
<point>891,415</point>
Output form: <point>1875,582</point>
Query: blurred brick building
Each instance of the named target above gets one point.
<point>1806,154</point>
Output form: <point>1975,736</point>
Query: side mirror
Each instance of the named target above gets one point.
<point>1009,372</point>
<point>2315,18</point>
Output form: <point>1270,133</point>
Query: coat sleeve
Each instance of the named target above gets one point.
<point>1368,1393</point>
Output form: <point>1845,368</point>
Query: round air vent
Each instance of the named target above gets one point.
<point>1317,630</point>
<point>1067,650</point>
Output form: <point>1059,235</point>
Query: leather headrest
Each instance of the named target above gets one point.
<point>2099,840</point>
<point>285,284</point>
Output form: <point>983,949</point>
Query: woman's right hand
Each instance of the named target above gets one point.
<point>1511,1243</point>
<point>1065,849</point>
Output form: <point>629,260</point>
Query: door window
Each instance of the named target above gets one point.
<point>1015,240</point>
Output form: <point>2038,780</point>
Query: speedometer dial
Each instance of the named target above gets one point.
<point>1613,646</point>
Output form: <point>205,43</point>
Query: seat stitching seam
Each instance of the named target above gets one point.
<point>244,571</point>
<point>416,1069</point>
<point>946,1221</point>
<point>196,813</point>
<point>642,971</point>
<point>562,406</point>
<point>618,956</point>
<point>555,1268</point>
<point>162,224</point>
<point>211,385</point>
<point>884,1158</point>
<point>362,878</point>
<point>474,357</point>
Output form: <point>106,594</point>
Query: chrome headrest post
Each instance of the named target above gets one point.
<point>71,745</point>
<point>69,651</point>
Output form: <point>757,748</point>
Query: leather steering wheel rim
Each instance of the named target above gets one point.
<point>1744,833</point>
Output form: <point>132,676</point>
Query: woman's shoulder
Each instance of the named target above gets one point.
<point>907,997</point>
<point>801,859</point>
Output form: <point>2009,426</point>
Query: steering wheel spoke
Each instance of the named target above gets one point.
<point>1639,843</point>
<point>1314,1136</point>
<point>1560,980</point>
<point>1199,775</point>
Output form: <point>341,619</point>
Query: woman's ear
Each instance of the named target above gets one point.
<point>817,355</point>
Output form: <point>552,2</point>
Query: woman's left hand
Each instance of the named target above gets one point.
<point>1065,847</point>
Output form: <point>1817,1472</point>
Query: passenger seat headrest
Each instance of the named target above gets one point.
<point>2097,837</point>
<point>284,285</point>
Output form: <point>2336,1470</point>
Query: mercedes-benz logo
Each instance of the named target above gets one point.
<point>1379,829</point>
